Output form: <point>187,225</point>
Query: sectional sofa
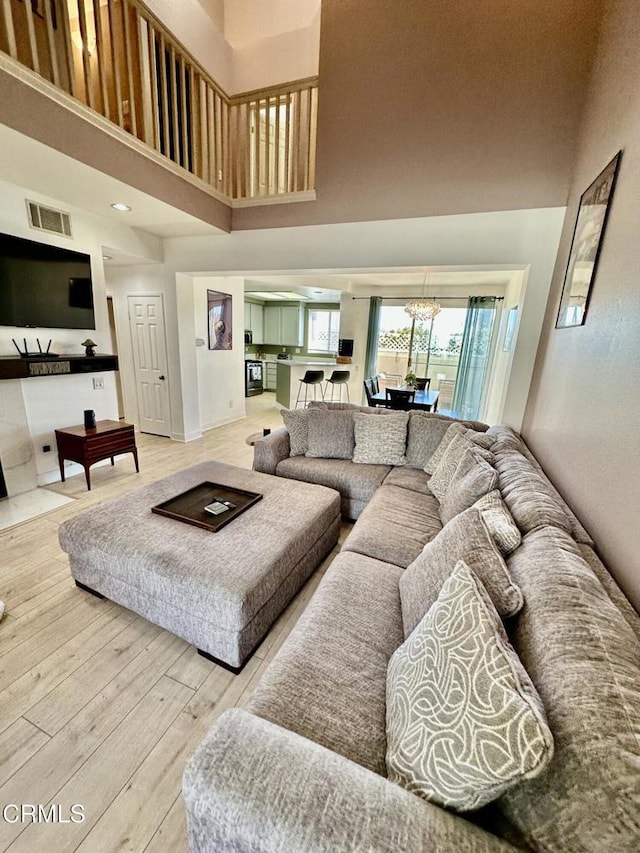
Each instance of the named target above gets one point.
<point>308,765</point>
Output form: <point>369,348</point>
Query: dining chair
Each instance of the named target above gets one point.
<point>376,384</point>
<point>368,390</point>
<point>423,383</point>
<point>399,398</point>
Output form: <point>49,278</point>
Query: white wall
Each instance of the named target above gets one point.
<point>247,44</point>
<point>277,58</point>
<point>493,410</point>
<point>57,401</point>
<point>220,373</point>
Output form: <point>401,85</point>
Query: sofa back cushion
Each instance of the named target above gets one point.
<point>380,441</point>
<point>426,431</point>
<point>584,661</point>
<point>467,538</point>
<point>473,478</point>
<point>528,494</point>
<point>331,434</point>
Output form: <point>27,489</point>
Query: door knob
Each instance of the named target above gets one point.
<point>161,377</point>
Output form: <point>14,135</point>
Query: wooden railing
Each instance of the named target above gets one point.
<point>117,58</point>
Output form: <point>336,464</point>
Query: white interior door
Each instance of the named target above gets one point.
<point>148,340</point>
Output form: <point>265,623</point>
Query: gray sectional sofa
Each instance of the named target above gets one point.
<point>303,767</point>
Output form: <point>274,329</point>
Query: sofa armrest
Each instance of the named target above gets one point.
<point>254,786</point>
<point>270,450</point>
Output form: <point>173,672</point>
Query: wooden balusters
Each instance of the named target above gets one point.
<point>117,57</point>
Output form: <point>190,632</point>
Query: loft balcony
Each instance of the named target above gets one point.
<point>115,59</point>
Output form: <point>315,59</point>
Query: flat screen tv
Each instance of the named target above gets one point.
<point>44,286</point>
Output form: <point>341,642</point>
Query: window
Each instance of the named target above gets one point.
<point>322,330</point>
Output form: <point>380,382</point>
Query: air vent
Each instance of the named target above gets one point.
<point>48,219</point>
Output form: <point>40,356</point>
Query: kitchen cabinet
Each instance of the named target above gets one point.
<point>284,325</point>
<point>254,320</point>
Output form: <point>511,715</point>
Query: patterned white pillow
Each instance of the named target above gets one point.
<point>499,520</point>
<point>464,721</point>
<point>297,424</point>
<point>381,441</point>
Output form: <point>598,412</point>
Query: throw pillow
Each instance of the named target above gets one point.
<point>467,538</point>
<point>449,461</point>
<point>474,477</point>
<point>330,433</point>
<point>380,441</point>
<point>424,434</point>
<point>297,424</point>
<point>500,522</point>
<point>464,721</point>
<point>457,428</point>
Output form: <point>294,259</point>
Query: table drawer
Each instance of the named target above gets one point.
<point>104,445</point>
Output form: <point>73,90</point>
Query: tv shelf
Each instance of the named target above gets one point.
<point>26,368</point>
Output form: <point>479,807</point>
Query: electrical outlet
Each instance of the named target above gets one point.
<point>46,448</point>
<point>98,383</point>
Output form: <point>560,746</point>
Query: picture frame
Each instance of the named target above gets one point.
<point>220,320</point>
<point>586,245</point>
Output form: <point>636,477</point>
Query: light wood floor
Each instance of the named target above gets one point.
<point>98,706</point>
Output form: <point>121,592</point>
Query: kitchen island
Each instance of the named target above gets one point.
<point>291,372</point>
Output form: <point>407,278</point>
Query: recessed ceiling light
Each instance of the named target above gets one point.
<point>121,206</point>
<point>107,257</point>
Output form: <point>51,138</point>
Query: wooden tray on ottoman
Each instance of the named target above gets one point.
<point>189,506</point>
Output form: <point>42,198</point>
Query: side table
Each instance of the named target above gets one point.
<point>88,446</point>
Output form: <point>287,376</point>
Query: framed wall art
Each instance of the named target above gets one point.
<point>585,247</point>
<point>219,316</point>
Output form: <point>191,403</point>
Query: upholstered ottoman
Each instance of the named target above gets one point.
<point>220,591</point>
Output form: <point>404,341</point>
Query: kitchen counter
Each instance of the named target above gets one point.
<point>289,375</point>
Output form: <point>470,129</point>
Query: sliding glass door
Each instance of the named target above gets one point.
<point>454,350</point>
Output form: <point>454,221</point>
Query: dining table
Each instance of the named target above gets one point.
<point>427,401</point>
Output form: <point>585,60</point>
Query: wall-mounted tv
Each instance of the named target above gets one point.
<point>44,286</point>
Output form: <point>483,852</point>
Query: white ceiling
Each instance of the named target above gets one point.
<point>44,170</point>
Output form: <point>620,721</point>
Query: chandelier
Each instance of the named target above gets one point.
<point>422,309</point>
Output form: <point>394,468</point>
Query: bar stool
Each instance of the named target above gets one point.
<point>311,377</point>
<point>339,378</point>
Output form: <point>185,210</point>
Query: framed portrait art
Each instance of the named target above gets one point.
<point>585,247</point>
<point>220,319</point>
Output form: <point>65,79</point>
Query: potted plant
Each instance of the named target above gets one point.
<point>410,379</point>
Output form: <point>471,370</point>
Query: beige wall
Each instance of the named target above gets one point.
<point>431,108</point>
<point>583,415</point>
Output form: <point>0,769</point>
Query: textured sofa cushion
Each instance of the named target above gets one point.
<point>528,494</point>
<point>413,479</point>
<point>455,432</point>
<point>395,526</point>
<point>464,721</point>
<point>585,663</point>
<point>328,680</point>
<point>466,537</point>
<point>426,431</point>
<point>447,463</point>
<point>380,441</point>
<point>499,520</point>
<point>297,424</point>
<point>473,478</point>
<point>330,434</point>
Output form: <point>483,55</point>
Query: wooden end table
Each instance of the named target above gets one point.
<point>88,446</point>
